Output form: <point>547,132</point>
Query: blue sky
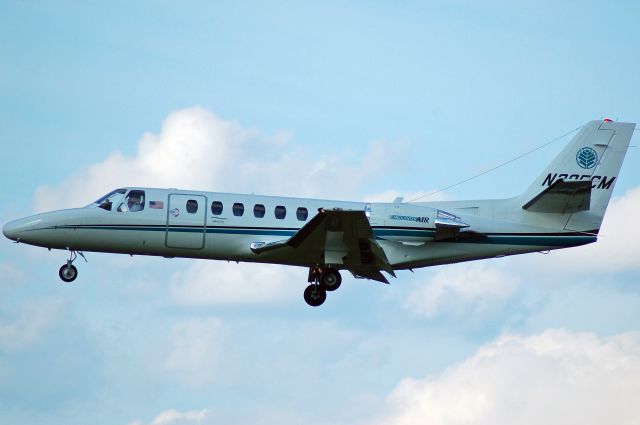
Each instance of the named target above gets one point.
<point>359,100</point>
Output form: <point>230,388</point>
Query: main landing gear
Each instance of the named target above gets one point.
<point>68,272</point>
<point>322,280</point>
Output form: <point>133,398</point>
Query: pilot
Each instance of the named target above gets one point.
<point>134,202</point>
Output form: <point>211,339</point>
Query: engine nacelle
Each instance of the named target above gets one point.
<point>412,223</point>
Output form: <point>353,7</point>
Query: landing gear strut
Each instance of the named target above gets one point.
<point>322,280</point>
<point>68,272</point>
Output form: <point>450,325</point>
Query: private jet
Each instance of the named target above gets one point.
<point>563,207</point>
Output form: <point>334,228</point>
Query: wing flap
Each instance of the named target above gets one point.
<point>369,274</point>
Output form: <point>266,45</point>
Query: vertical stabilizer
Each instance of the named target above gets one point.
<point>595,156</point>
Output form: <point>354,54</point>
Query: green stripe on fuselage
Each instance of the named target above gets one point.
<point>499,239</point>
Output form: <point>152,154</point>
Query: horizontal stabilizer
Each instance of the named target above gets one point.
<point>446,220</point>
<point>562,197</point>
<point>448,225</point>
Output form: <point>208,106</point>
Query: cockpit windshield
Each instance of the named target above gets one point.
<point>107,201</point>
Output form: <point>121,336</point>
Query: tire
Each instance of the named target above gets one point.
<point>315,295</point>
<point>330,279</point>
<point>68,273</point>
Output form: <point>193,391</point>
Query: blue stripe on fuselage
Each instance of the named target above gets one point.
<point>547,239</point>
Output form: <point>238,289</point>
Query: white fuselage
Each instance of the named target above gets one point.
<point>191,224</point>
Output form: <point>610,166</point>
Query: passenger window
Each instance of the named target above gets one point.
<point>258,210</point>
<point>134,202</point>
<point>192,206</point>
<point>216,208</point>
<point>280,212</point>
<point>302,214</point>
<point>238,209</point>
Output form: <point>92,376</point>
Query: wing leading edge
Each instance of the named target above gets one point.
<point>339,238</point>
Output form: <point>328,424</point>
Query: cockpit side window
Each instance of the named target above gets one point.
<point>134,202</point>
<point>107,201</point>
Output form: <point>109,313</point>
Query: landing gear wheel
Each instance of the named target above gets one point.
<point>330,279</point>
<point>314,295</point>
<point>68,273</point>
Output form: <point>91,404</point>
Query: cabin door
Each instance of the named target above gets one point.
<point>186,221</point>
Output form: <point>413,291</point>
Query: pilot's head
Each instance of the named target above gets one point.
<point>134,198</point>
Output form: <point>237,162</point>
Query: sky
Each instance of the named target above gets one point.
<point>341,100</point>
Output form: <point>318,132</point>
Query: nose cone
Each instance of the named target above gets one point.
<point>16,228</point>
<point>10,230</point>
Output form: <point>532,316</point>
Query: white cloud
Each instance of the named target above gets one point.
<point>215,282</point>
<point>198,150</point>
<point>462,288</point>
<point>618,246</point>
<point>196,346</point>
<point>556,377</point>
<point>175,417</point>
<point>191,149</point>
<point>33,321</point>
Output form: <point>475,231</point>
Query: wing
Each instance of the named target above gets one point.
<point>339,238</point>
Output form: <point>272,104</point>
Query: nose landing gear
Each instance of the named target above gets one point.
<point>322,280</point>
<point>68,272</point>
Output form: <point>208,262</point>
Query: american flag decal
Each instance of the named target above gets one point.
<point>158,205</point>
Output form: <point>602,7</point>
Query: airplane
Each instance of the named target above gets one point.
<point>563,207</point>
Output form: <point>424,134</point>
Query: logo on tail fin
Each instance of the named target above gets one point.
<point>587,158</point>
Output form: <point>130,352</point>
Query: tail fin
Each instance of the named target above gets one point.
<point>574,190</point>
